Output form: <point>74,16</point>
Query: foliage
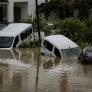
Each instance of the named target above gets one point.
<point>83,44</point>
<point>73,28</point>
<point>83,9</point>
<point>89,3</point>
<point>28,44</point>
<point>88,36</point>
<point>42,23</point>
<point>64,8</point>
<point>28,20</point>
<point>77,30</point>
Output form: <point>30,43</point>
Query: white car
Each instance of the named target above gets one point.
<point>12,35</point>
<point>59,45</point>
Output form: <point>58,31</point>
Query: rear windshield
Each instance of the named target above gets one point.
<point>71,52</point>
<point>6,42</point>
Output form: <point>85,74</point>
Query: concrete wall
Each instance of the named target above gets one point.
<point>27,8</point>
<point>10,11</point>
<point>32,8</point>
<point>41,1</point>
<point>20,0</point>
<point>24,9</point>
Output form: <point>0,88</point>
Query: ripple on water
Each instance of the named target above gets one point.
<point>28,71</point>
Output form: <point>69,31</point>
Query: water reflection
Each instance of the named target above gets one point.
<point>25,70</point>
<point>51,62</point>
<point>6,54</point>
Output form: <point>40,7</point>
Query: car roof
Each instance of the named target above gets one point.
<point>61,42</point>
<point>14,29</point>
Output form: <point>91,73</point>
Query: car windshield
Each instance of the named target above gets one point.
<point>2,26</point>
<point>6,42</point>
<point>89,49</point>
<point>71,52</point>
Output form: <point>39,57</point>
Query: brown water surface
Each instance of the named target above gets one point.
<point>25,70</point>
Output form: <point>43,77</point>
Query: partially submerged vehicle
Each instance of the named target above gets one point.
<point>86,54</point>
<point>59,45</point>
<point>13,35</point>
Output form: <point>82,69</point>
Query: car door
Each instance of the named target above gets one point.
<point>16,42</point>
<point>57,52</point>
<point>47,48</point>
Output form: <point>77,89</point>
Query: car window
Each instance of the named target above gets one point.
<point>16,41</point>
<point>48,45</point>
<point>56,52</point>
<point>6,42</point>
<point>26,33</point>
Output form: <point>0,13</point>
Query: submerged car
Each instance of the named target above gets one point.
<point>59,45</point>
<point>86,54</point>
<point>13,34</point>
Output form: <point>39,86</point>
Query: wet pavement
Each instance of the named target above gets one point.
<point>25,70</point>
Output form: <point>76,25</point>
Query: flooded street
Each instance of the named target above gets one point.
<point>25,70</point>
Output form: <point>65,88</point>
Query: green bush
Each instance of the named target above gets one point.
<point>42,23</point>
<point>28,20</point>
<point>73,28</point>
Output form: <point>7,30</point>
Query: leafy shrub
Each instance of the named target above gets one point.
<point>42,23</point>
<point>73,28</point>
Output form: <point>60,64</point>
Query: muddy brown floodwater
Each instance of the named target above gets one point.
<point>25,70</point>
